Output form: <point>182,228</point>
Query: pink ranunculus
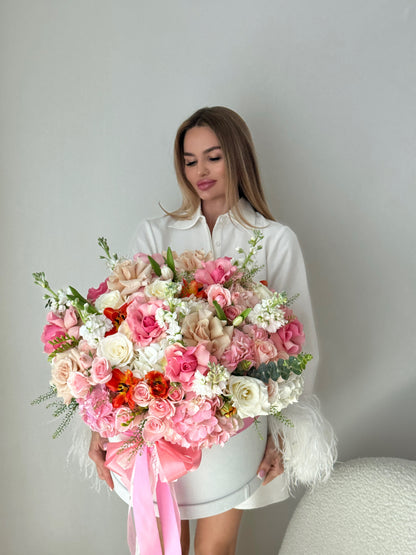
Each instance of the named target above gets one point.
<point>101,371</point>
<point>183,362</point>
<point>257,333</point>
<point>142,321</point>
<point>153,429</point>
<point>85,347</point>
<point>243,297</point>
<point>241,348</point>
<point>141,394</point>
<point>289,338</point>
<point>93,294</point>
<point>78,385</point>
<point>161,408</point>
<point>216,271</point>
<point>232,312</point>
<point>85,360</point>
<point>220,294</point>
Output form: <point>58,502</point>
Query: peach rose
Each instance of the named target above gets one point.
<point>129,276</point>
<point>190,260</point>
<point>78,385</point>
<point>62,366</point>
<point>205,328</point>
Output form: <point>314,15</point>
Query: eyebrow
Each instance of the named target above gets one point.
<point>205,151</point>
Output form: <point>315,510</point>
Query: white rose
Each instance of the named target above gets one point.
<point>112,299</point>
<point>249,396</point>
<point>262,291</point>
<point>117,349</point>
<point>286,392</point>
<point>158,289</point>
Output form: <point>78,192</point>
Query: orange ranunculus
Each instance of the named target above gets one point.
<point>117,317</point>
<point>123,384</point>
<point>158,384</point>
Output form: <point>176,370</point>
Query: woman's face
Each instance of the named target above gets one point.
<point>205,166</point>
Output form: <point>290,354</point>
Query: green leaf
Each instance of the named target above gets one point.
<point>170,261</point>
<point>220,313</point>
<point>155,266</point>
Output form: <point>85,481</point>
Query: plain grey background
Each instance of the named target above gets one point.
<point>92,93</point>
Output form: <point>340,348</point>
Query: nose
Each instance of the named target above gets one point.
<point>202,168</point>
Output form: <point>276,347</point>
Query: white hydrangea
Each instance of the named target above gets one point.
<point>147,359</point>
<point>213,384</point>
<point>95,328</point>
<point>268,315</point>
<point>285,392</point>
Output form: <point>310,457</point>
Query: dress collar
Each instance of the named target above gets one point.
<point>245,207</point>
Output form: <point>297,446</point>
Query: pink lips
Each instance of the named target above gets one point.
<point>205,184</point>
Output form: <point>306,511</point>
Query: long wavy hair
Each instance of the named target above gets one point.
<point>243,176</point>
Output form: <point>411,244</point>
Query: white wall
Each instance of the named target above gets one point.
<point>91,96</point>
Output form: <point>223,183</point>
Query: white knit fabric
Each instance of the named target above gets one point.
<point>367,507</point>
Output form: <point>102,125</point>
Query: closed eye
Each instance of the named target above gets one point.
<point>190,163</point>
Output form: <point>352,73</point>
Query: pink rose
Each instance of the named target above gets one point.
<point>243,297</point>
<point>258,334</point>
<point>215,271</point>
<point>78,385</point>
<point>161,408</point>
<point>141,394</point>
<point>101,371</point>
<point>59,326</point>
<point>220,294</point>
<point>183,362</point>
<point>232,312</point>
<point>93,294</point>
<point>265,351</point>
<point>142,321</point>
<point>153,429</point>
<point>125,419</point>
<point>241,348</point>
<point>176,392</point>
<point>289,338</point>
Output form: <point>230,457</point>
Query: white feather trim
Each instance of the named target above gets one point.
<point>308,447</point>
<point>78,452</point>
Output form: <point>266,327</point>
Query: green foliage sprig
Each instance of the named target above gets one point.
<point>111,259</point>
<point>59,409</point>
<point>276,369</point>
<point>40,279</point>
<point>247,264</point>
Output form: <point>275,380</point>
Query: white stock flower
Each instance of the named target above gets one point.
<point>286,392</point>
<point>169,321</point>
<point>117,349</point>
<point>249,396</point>
<point>213,384</point>
<point>112,299</point>
<point>268,315</point>
<point>95,328</point>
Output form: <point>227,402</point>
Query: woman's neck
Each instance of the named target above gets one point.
<point>212,210</point>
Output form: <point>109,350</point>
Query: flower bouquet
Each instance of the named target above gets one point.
<point>171,354</point>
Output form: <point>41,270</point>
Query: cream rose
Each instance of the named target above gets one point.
<point>158,289</point>
<point>117,349</point>
<point>191,260</point>
<point>63,365</point>
<point>250,396</point>
<point>112,299</point>
<point>128,276</point>
<point>285,392</point>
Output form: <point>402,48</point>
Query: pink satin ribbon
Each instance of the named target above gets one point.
<point>137,476</point>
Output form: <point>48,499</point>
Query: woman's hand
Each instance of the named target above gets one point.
<point>272,463</point>
<point>97,454</point>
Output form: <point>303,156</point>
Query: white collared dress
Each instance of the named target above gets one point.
<point>227,476</point>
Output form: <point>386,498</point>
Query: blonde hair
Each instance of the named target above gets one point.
<point>242,170</point>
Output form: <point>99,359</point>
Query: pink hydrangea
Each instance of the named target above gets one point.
<point>97,411</point>
<point>59,326</point>
<point>215,271</point>
<point>241,348</point>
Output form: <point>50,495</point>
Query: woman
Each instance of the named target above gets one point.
<point>223,201</point>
